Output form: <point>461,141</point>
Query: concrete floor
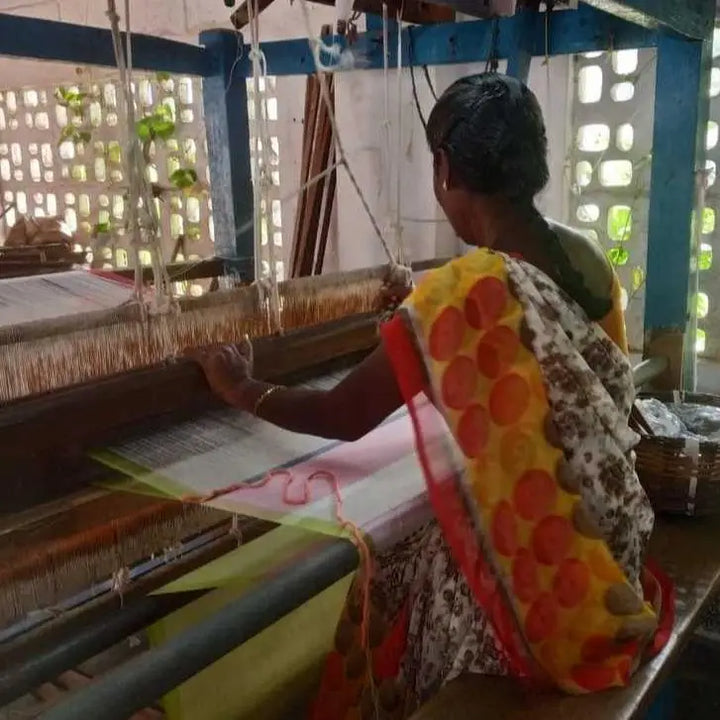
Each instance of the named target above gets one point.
<point>709,378</point>
<point>708,374</point>
<point>694,690</point>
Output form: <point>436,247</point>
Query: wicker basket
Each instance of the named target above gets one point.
<point>675,480</point>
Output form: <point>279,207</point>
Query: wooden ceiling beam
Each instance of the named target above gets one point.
<point>413,11</point>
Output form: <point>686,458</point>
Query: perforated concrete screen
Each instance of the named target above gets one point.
<point>610,155</point>
<point>61,155</point>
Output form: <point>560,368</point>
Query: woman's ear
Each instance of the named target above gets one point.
<point>441,167</point>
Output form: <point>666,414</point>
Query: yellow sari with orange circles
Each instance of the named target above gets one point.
<point>534,566</point>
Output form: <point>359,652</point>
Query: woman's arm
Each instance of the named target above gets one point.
<point>350,410</point>
<point>355,406</point>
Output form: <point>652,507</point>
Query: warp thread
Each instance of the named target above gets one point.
<point>261,157</point>
<point>236,530</point>
<point>120,580</point>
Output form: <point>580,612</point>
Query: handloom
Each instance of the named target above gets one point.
<point>91,379</point>
<point>73,381</point>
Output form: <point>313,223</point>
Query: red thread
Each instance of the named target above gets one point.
<point>304,499</point>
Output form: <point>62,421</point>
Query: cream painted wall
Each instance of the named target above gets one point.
<point>425,233</point>
<point>360,114</point>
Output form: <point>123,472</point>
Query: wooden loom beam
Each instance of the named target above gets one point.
<point>94,413</point>
<point>241,17</point>
<point>413,11</point>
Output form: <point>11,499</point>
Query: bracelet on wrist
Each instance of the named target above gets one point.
<point>263,397</point>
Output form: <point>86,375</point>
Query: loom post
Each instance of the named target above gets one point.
<point>681,113</point>
<point>228,141</point>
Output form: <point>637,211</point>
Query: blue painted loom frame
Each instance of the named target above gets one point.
<point>681,32</point>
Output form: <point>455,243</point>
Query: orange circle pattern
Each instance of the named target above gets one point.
<point>494,400</point>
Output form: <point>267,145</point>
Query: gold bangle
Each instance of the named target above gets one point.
<point>266,394</point>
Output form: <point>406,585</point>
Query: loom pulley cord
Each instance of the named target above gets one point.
<point>316,45</point>
<point>143,221</point>
<point>262,181</point>
<point>399,147</point>
<point>393,159</point>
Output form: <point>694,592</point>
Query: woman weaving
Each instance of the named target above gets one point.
<point>534,564</point>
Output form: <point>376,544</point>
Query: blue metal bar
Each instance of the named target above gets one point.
<point>583,30</point>
<point>63,42</point>
<point>519,61</point>
<point>228,139</point>
<point>693,18</point>
<point>373,23</point>
<point>681,113</point>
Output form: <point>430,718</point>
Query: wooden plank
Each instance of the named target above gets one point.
<point>312,101</point>
<point>689,551</point>
<point>413,11</point>
<point>326,219</point>
<point>318,164</point>
<point>576,31</point>
<point>16,270</point>
<point>178,271</point>
<point>240,18</point>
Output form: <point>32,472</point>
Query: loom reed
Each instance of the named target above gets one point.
<point>96,346</point>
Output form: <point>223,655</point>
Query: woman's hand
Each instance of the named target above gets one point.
<point>398,285</point>
<point>227,369</point>
<point>393,295</point>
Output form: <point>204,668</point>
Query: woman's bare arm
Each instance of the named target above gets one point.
<point>350,410</point>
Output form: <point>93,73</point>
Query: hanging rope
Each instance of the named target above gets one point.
<point>493,60</point>
<point>393,151</point>
<point>143,221</point>
<point>340,150</point>
<point>387,165</point>
<point>399,148</point>
<point>127,111</point>
<point>262,180</point>
<point>148,217</point>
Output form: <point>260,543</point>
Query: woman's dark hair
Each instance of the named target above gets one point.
<point>491,128</point>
